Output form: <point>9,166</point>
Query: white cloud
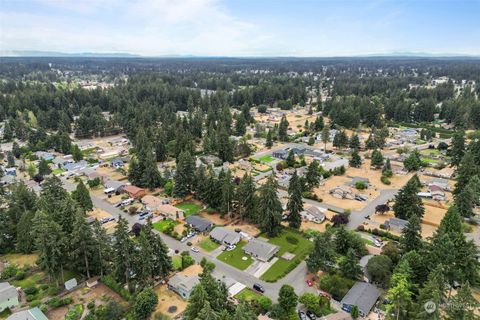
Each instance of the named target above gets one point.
<point>149,27</point>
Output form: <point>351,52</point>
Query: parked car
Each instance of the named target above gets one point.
<point>311,315</point>
<point>230,247</point>
<point>258,288</point>
<point>194,249</point>
<point>309,283</point>
<point>128,201</point>
<point>302,315</point>
<point>377,243</point>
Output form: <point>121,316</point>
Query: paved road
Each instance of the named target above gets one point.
<point>357,217</point>
<point>295,278</point>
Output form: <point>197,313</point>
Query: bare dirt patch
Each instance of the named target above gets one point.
<point>168,299</point>
<point>320,227</point>
<point>215,218</point>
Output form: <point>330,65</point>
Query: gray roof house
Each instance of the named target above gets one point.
<point>183,285</point>
<point>75,166</point>
<point>363,295</point>
<point>114,184</point>
<point>396,224</point>
<point>8,296</point>
<point>280,154</point>
<point>198,223</point>
<point>261,250</point>
<point>30,314</point>
<point>314,214</point>
<point>224,236</point>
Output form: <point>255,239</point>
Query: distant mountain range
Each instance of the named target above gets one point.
<point>406,54</point>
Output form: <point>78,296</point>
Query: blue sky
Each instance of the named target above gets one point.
<point>242,27</point>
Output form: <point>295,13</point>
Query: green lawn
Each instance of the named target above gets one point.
<point>31,280</point>
<point>288,241</point>
<point>247,294</point>
<point>234,257</point>
<point>208,244</point>
<point>57,171</point>
<point>429,160</point>
<point>430,152</point>
<point>5,314</point>
<point>163,225</point>
<point>266,158</point>
<point>189,208</point>
<point>177,262</point>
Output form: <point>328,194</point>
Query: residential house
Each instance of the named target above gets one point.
<point>30,314</point>
<point>363,295</point>
<point>10,171</point>
<point>341,192</point>
<point>441,183</point>
<point>183,285</point>
<point>6,180</point>
<point>260,250</point>
<point>224,236</point>
<point>335,164</point>
<point>396,224</point>
<point>314,214</point>
<point>134,191</point>
<point>152,203</point>
<point>356,180</point>
<point>280,154</point>
<point>8,296</point>
<point>60,162</point>
<point>437,192</point>
<point>113,186</point>
<point>199,224</point>
<point>75,166</point>
<point>44,155</point>
<point>244,165</point>
<point>117,163</point>
<point>170,212</point>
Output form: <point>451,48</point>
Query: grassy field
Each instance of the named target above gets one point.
<point>288,241</point>
<point>177,262</point>
<point>208,244</point>
<point>266,158</point>
<point>234,257</point>
<point>20,259</point>
<point>247,294</point>
<point>163,225</point>
<point>430,161</point>
<point>430,152</point>
<point>189,208</point>
<point>57,171</point>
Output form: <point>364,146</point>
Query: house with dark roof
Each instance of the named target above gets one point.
<point>280,154</point>
<point>117,163</point>
<point>199,224</point>
<point>395,224</point>
<point>363,295</point>
<point>224,236</point>
<point>260,250</point>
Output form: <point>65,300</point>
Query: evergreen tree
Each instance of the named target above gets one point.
<point>432,291</point>
<point>282,129</point>
<point>247,199</point>
<point>224,145</point>
<point>244,312</point>
<point>400,293</point>
<point>370,143</point>
<point>295,202</point>
<point>50,242</point>
<point>200,183</point>
<point>387,169</point>
<point>349,265</point>
<point>197,300</point>
<point>83,244</point>
<point>134,173</point>
<point>463,305</point>
<point>407,201</point>
<point>377,159</point>
<point>355,161</point>
<point>17,152</point>
<point>413,162</point>
<point>207,313</point>
<point>287,301</point>
<point>412,235</point>
<point>123,249</point>
<point>325,136</point>
<point>228,193</point>
<point>25,238</point>
<point>467,168</point>
<point>458,147</point>
<point>290,159</point>
<point>43,168</point>
<point>82,197</point>
<point>184,175</point>
<point>269,140</point>
<point>270,207</point>
<point>10,160</point>
<point>322,256</point>
<point>318,124</point>
<point>76,153</point>
<point>313,175</point>
<point>240,126</point>
<point>354,142</point>
<point>150,176</point>
<point>340,140</point>
<point>145,303</point>
<point>103,249</point>
<point>7,132</point>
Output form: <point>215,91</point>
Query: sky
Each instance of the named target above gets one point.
<point>242,27</point>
